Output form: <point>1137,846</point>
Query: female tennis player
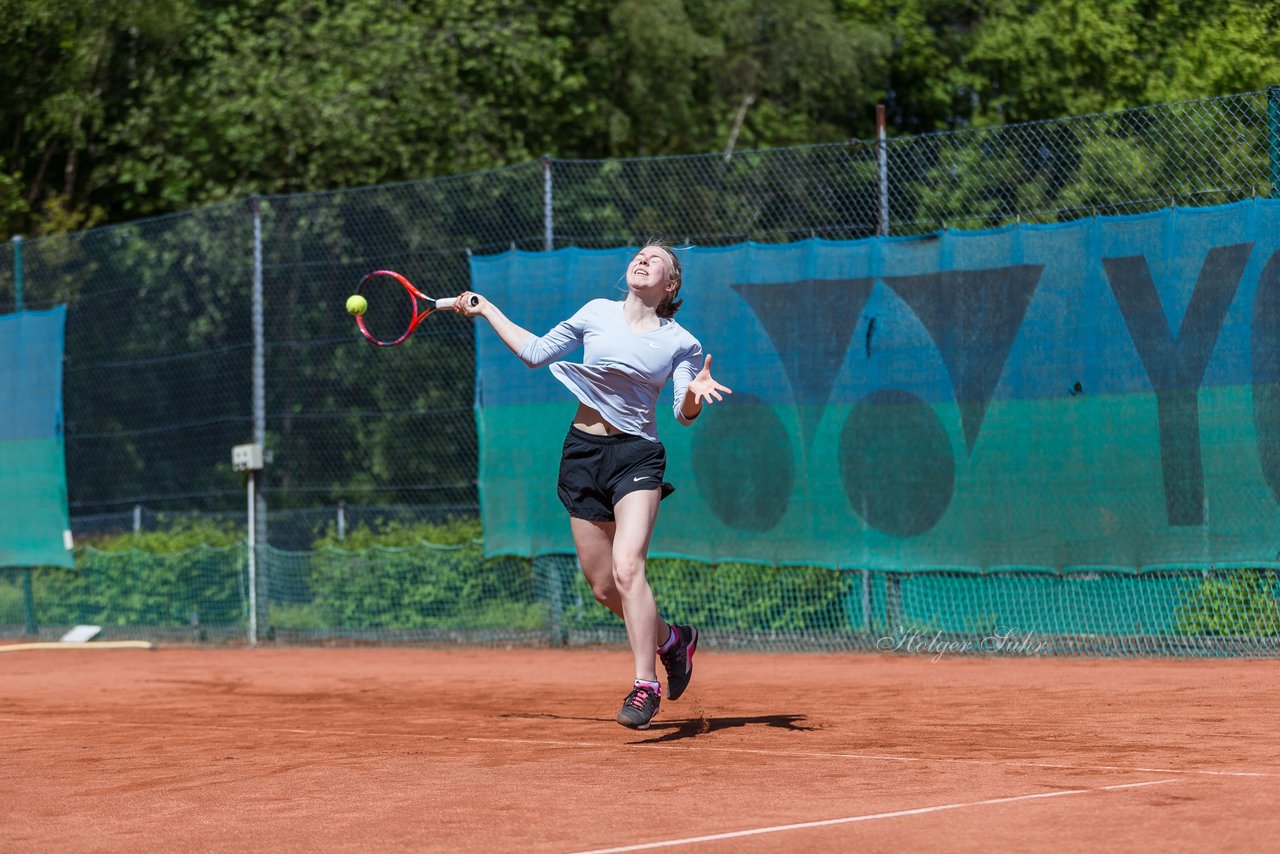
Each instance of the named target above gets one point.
<point>612,465</point>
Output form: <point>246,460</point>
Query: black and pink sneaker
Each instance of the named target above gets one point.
<point>679,660</point>
<point>641,705</point>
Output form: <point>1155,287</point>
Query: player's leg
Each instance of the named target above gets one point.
<point>594,544</point>
<point>635,514</point>
<point>582,461</point>
<point>645,467</point>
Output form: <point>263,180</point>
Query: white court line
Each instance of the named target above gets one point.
<point>805,825</point>
<point>547,742</point>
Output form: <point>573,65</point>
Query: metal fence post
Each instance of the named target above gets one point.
<point>866,600</point>
<point>17,272</point>
<point>553,579</point>
<point>259,520</point>
<point>893,601</point>
<point>251,524</point>
<point>28,591</point>
<point>29,603</point>
<point>882,161</point>
<point>1273,138</point>
<point>548,224</point>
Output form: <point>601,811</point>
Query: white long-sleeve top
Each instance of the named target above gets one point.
<point>622,371</point>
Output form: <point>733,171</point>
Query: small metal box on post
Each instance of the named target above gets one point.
<point>249,458</point>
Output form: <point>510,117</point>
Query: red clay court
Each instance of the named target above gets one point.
<point>375,749</point>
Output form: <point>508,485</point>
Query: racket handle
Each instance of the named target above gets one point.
<point>450,302</point>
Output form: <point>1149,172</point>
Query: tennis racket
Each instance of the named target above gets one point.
<point>394,307</point>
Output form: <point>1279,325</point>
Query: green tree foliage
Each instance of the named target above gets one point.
<point>735,597</point>
<point>402,578</point>
<point>279,96</point>
<point>420,577</point>
<point>1237,603</point>
<point>688,77</point>
<point>1204,48</point>
<point>928,42</point>
<point>956,63</point>
<point>191,571</point>
<point>1035,60</point>
<point>121,108</point>
<point>1030,60</point>
<point>69,69</point>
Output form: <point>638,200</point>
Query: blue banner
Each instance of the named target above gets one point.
<point>1101,392</point>
<point>34,527</point>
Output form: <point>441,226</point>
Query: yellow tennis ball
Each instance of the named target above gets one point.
<point>356,304</point>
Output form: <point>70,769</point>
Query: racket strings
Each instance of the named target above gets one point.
<point>390,312</point>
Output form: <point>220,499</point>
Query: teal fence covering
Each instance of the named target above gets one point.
<point>33,474</point>
<point>1102,393</point>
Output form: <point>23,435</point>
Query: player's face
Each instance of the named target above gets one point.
<point>650,270</point>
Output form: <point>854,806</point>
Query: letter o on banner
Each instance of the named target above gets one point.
<point>896,462</point>
<point>743,463</point>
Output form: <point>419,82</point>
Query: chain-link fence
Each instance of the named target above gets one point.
<point>163,343</point>
<point>429,593</point>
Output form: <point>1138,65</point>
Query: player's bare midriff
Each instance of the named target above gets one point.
<point>588,420</point>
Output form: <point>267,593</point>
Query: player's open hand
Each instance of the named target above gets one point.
<point>704,387</point>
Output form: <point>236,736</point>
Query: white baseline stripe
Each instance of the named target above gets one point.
<point>804,825</point>
<point>123,644</point>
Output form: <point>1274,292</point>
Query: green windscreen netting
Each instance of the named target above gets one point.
<point>1096,395</point>
<point>452,593</point>
<point>33,476</point>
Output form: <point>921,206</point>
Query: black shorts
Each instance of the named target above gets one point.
<point>596,471</point>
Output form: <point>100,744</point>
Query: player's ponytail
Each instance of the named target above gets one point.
<point>670,303</point>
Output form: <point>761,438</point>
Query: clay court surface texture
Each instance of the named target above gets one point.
<point>414,749</point>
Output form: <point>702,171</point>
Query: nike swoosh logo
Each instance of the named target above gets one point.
<point>636,479</point>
